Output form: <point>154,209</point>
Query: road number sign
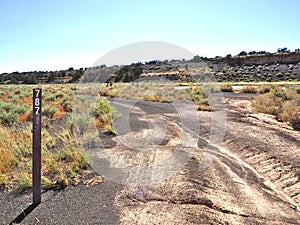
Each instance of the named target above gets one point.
<point>36,145</point>
<point>37,101</point>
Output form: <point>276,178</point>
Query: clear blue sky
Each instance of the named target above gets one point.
<point>58,34</point>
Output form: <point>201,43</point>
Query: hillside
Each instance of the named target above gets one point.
<point>282,66</point>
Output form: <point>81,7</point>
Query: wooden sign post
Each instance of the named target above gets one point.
<point>36,145</point>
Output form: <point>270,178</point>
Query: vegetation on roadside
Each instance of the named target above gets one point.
<point>249,89</point>
<point>284,103</point>
<point>62,158</point>
<point>163,92</point>
<point>226,87</point>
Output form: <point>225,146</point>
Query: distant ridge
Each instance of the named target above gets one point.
<point>248,67</point>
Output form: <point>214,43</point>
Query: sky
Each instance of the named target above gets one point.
<point>59,34</point>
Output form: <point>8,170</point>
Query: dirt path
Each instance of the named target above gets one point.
<point>250,181</point>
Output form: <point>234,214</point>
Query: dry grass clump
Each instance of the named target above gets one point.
<point>264,89</point>
<point>152,98</point>
<point>248,89</point>
<point>291,113</point>
<point>6,155</point>
<point>59,164</point>
<point>226,88</point>
<point>104,114</point>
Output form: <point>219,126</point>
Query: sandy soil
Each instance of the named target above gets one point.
<point>254,178</point>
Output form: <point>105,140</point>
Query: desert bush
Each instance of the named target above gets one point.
<point>152,98</point>
<point>27,93</point>
<point>10,112</point>
<point>226,88</point>
<point>284,104</point>
<point>264,89</point>
<point>17,92</point>
<point>15,99</point>
<point>279,74</point>
<point>50,97</point>
<point>67,103</point>
<point>67,106</point>
<point>10,96</point>
<point>165,100</point>
<point>291,114</point>
<point>79,122</point>
<point>8,118</point>
<point>203,107</point>
<point>49,111</point>
<point>248,89</point>
<point>200,98</point>
<point>104,113</point>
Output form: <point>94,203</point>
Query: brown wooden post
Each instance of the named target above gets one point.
<point>36,145</point>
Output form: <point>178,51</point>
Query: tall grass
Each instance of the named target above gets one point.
<point>62,160</point>
<point>7,160</point>
<point>59,164</point>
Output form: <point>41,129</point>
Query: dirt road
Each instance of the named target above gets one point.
<point>252,179</point>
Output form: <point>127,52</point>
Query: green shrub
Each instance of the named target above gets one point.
<point>264,89</point>
<point>27,93</point>
<point>10,112</point>
<point>67,103</point>
<point>10,96</point>
<point>8,118</point>
<point>79,123</point>
<point>21,108</point>
<point>49,111</point>
<point>50,97</point>
<point>104,113</point>
<point>15,99</point>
